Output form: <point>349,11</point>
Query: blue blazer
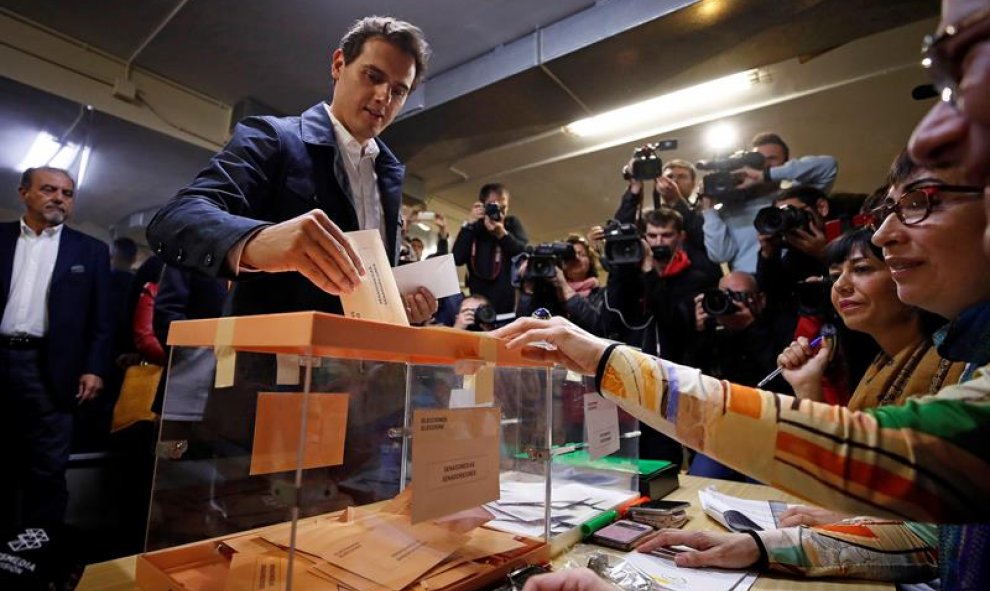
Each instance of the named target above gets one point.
<point>79,322</point>
<point>273,169</point>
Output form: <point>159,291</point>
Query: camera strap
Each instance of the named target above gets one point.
<point>496,264</point>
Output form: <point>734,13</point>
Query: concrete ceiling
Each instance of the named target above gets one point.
<point>278,52</point>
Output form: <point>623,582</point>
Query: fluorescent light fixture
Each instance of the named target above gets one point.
<point>65,156</point>
<point>42,150</point>
<point>721,137</point>
<point>422,226</point>
<point>685,102</point>
<point>83,166</point>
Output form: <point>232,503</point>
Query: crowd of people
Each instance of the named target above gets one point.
<point>877,315</point>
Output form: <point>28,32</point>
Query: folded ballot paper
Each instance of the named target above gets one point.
<point>378,296</point>
<point>763,514</point>
<point>363,550</point>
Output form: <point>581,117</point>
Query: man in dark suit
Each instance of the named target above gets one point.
<point>278,198</point>
<point>55,341</point>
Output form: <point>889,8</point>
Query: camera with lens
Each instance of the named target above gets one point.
<point>623,245</point>
<point>646,162</point>
<point>720,302</point>
<point>720,183</point>
<point>777,221</point>
<point>493,211</point>
<point>543,259</point>
<point>813,297</point>
<point>483,314</point>
<point>662,252</point>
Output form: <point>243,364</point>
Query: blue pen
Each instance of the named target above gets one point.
<point>813,344</point>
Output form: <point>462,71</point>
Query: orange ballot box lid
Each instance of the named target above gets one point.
<point>320,334</point>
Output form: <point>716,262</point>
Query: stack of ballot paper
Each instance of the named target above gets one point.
<point>765,514</point>
<point>361,550</point>
<point>521,505</point>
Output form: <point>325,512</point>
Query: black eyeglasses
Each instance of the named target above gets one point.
<point>915,205</point>
<point>942,64</point>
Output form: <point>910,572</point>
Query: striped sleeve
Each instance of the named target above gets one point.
<point>862,548</point>
<point>928,460</point>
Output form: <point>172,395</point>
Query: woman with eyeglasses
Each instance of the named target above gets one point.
<point>573,292</point>
<point>928,459</point>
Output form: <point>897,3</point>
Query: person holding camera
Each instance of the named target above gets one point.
<point>487,243</point>
<point>475,314</point>
<point>650,304</point>
<point>563,278</point>
<point>672,189</point>
<point>736,341</point>
<point>729,235</point>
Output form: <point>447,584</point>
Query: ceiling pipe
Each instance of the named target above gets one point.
<point>161,26</point>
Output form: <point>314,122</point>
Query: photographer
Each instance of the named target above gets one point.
<point>476,314</point>
<point>672,189</point>
<point>729,235</point>
<point>735,341</point>
<point>572,291</point>
<point>486,244</point>
<point>791,235</point>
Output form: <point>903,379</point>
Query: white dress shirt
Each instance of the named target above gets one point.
<point>34,261</point>
<point>359,162</point>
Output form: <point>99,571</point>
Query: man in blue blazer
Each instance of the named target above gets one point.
<point>271,208</point>
<point>55,341</point>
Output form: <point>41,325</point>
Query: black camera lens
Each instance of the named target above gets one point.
<point>662,252</point>
<point>813,297</point>
<point>781,220</point>
<point>716,302</point>
<point>493,211</point>
<point>485,314</point>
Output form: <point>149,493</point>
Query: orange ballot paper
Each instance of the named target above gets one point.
<point>455,460</point>
<point>377,296</point>
<point>279,424</point>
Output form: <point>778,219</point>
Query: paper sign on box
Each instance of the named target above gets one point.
<point>601,422</point>
<point>278,425</point>
<point>455,460</point>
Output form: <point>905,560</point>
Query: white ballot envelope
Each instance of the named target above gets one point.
<point>439,275</point>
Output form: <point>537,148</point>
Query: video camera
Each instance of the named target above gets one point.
<point>720,183</point>
<point>623,244</point>
<point>719,302</point>
<point>646,163</point>
<point>777,221</point>
<point>543,259</point>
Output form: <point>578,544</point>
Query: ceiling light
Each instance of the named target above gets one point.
<point>83,166</point>
<point>704,97</point>
<point>41,151</point>
<point>721,137</point>
<point>65,156</point>
<point>422,226</point>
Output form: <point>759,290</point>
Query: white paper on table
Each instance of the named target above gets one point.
<point>669,576</point>
<point>438,275</point>
<point>601,425</point>
<point>377,296</point>
<point>765,514</point>
<point>520,508</point>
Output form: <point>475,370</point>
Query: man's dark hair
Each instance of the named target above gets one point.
<point>490,188</point>
<point>807,195</point>
<point>407,37</point>
<point>767,137</point>
<point>125,248</point>
<point>663,217</point>
<point>28,177</point>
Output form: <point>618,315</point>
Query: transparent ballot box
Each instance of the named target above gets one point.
<point>306,450</point>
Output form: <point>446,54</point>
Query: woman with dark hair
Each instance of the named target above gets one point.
<point>573,293</point>
<point>865,297</point>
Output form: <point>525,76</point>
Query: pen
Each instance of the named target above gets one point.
<point>813,344</point>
